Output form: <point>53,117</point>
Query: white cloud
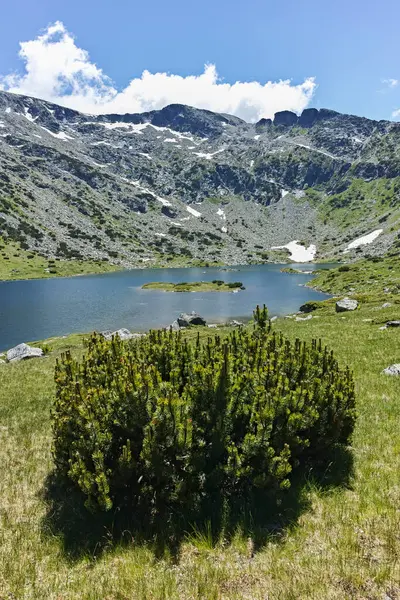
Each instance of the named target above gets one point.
<point>56,69</point>
<point>396,113</point>
<point>392,83</point>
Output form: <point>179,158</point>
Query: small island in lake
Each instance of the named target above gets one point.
<point>296,271</point>
<point>216,285</point>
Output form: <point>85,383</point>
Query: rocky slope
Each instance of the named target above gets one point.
<point>183,185</point>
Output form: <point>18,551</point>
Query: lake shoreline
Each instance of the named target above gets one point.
<point>37,309</point>
<point>47,276</point>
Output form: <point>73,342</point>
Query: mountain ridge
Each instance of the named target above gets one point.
<point>188,185</point>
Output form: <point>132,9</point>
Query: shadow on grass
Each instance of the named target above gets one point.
<point>259,517</point>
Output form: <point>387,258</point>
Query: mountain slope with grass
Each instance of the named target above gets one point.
<point>188,186</point>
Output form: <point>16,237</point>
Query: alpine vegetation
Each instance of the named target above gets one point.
<point>164,427</point>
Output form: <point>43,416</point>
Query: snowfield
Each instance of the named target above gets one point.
<point>61,135</point>
<point>299,253</point>
<point>209,155</point>
<point>193,212</point>
<point>365,239</point>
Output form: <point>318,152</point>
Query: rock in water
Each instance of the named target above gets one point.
<point>23,351</point>
<point>346,304</point>
<point>186,320</point>
<point>392,370</point>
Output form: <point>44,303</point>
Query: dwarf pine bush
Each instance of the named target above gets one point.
<point>163,424</point>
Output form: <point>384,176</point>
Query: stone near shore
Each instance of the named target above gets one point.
<point>346,304</point>
<point>186,320</point>
<point>393,324</point>
<point>392,370</point>
<point>123,334</point>
<point>307,318</point>
<point>22,352</point>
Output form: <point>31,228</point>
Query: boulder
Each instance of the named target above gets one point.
<point>174,326</point>
<point>235,323</point>
<point>392,370</point>
<point>307,318</point>
<point>387,305</point>
<point>186,320</point>
<point>346,304</point>
<point>22,352</point>
<point>393,323</point>
<point>123,334</point>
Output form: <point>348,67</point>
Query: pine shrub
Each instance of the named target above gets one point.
<point>162,424</point>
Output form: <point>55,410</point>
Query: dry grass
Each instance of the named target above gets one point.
<point>344,543</point>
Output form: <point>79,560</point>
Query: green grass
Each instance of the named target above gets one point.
<point>362,202</point>
<point>368,276</point>
<point>16,263</point>
<point>193,286</point>
<point>343,542</point>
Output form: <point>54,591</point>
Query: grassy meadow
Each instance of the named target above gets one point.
<point>338,537</point>
<point>16,263</point>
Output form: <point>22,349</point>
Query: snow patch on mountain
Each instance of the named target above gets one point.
<point>193,212</point>
<point>365,239</point>
<point>298,253</point>
<point>208,156</point>
<point>145,190</point>
<point>61,135</point>
<point>28,115</point>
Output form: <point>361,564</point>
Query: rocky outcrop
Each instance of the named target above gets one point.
<point>22,352</point>
<point>286,118</point>
<point>347,304</point>
<point>193,318</point>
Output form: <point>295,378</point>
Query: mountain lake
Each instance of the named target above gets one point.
<point>41,308</point>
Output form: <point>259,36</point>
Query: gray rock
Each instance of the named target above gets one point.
<point>273,319</point>
<point>174,326</point>
<point>123,334</point>
<point>387,305</point>
<point>346,304</point>
<point>304,318</point>
<point>392,370</point>
<point>235,323</point>
<point>212,326</point>
<point>186,320</point>
<point>22,352</point>
<point>383,328</point>
<point>393,323</point>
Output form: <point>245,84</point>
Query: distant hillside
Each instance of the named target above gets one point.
<point>182,185</point>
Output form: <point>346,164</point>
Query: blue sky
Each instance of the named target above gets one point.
<point>351,48</point>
